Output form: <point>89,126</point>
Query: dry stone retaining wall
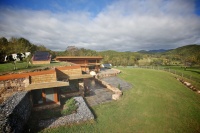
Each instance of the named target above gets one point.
<point>19,83</point>
<point>118,93</point>
<point>14,113</point>
<point>113,72</point>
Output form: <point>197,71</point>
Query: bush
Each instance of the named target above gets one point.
<point>69,107</point>
<point>119,87</point>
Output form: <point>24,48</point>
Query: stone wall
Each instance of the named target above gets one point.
<point>47,77</point>
<point>115,72</point>
<point>17,84</point>
<point>14,113</point>
<point>8,87</point>
<point>117,93</point>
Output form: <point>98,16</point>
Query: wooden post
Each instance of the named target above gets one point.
<point>55,95</point>
<point>85,65</point>
<point>43,96</point>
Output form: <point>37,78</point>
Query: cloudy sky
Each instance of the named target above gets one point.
<point>122,25</point>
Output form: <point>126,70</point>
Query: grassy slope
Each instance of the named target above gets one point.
<point>156,103</point>
<point>192,71</point>
<point>192,74</point>
<point>21,66</point>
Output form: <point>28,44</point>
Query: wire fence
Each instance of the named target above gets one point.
<point>176,72</point>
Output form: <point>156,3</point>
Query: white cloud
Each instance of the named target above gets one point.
<point>123,25</point>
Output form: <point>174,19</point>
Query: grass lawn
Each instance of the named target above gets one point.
<point>156,103</point>
<point>194,72</point>
<point>191,74</point>
<point>21,66</point>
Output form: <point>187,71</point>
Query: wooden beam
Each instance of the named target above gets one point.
<point>55,95</point>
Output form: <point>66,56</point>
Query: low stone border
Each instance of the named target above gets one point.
<point>117,70</point>
<point>189,85</point>
<point>83,114</point>
<point>117,93</point>
<point>109,74</point>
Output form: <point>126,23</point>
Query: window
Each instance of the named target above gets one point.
<point>37,96</point>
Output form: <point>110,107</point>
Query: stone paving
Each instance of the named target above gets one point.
<point>98,94</point>
<point>115,81</point>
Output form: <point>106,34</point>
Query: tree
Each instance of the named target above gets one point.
<point>3,48</point>
<point>71,50</point>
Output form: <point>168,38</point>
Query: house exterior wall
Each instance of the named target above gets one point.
<point>72,72</point>
<point>40,62</point>
<point>43,78</point>
<point>16,82</point>
<point>63,73</point>
<point>85,69</point>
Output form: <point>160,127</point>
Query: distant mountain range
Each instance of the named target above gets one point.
<point>187,49</point>
<point>154,51</point>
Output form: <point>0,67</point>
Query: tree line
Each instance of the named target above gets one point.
<point>18,45</point>
<point>187,55</point>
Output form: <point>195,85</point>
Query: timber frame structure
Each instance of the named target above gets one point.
<point>47,87</point>
<point>87,63</point>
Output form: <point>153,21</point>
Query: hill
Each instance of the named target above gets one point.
<point>153,51</point>
<point>186,50</point>
<point>189,54</point>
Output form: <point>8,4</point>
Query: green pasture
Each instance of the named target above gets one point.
<point>22,66</point>
<point>157,103</point>
<point>189,74</point>
<point>190,71</point>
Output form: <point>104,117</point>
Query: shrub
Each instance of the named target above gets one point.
<point>119,87</point>
<point>69,107</point>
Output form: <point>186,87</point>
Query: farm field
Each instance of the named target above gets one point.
<point>21,66</point>
<point>156,103</point>
<point>192,71</point>
<point>190,74</point>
